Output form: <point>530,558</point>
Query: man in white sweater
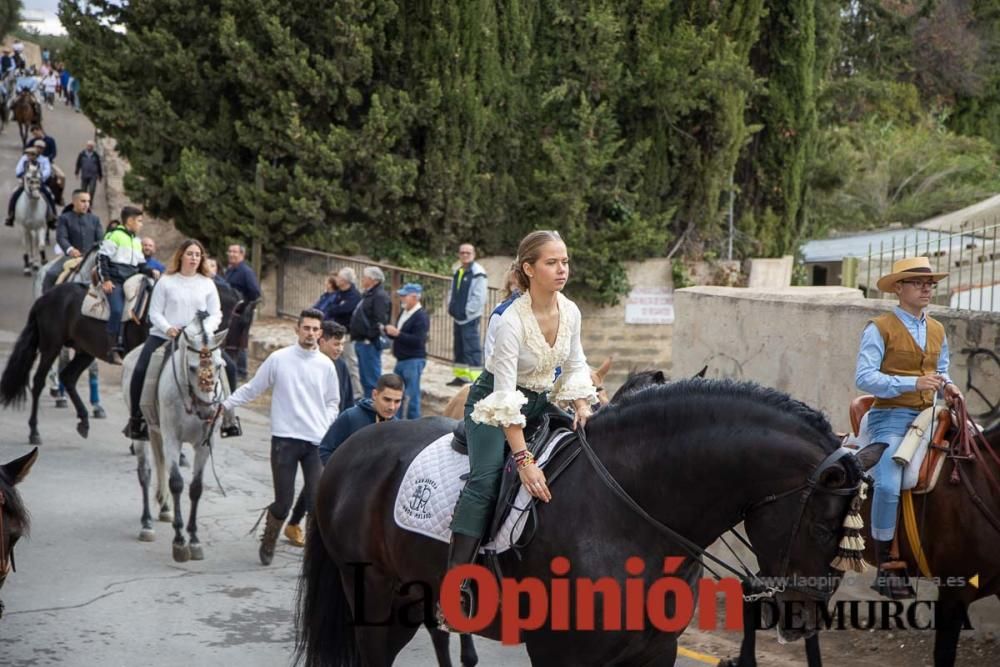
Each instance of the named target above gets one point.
<point>304,403</point>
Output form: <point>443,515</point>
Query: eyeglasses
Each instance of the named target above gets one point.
<point>921,284</point>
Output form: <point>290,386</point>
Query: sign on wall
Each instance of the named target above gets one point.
<point>650,305</point>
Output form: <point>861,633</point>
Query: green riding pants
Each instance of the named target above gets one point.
<point>487,450</point>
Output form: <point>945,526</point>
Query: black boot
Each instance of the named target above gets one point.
<point>137,429</point>
<point>462,550</point>
<point>231,426</point>
<point>892,583</point>
<point>115,351</point>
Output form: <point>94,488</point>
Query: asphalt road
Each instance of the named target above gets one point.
<point>86,591</point>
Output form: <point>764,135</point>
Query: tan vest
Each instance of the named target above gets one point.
<point>904,357</point>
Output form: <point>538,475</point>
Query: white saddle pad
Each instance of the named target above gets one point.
<point>95,303</point>
<point>426,499</point>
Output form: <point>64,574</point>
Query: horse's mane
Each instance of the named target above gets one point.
<point>661,403</point>
<point>13,505</point>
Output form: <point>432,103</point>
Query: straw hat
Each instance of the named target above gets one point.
<point>911,267</point>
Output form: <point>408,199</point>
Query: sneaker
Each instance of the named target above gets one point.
<point>296,536</point>
<point>458,382</point>
<point>99,413</point>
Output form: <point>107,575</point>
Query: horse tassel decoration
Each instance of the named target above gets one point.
<point>850,556</point>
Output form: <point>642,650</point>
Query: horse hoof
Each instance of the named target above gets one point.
<point>166,516</point>
<point>62,403</point>
<point>182,553</point>
<point>197,553</point>
<point>147,535</point>
<point>27,271</point>
<point>34,439</point>
<point>83,428</point>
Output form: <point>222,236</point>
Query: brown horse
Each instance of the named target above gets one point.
<point>456,406</point>
<point>25,113</point>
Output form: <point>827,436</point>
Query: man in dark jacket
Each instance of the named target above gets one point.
<point>367,321</point>
<point>465,305</point>
<point>78,230</point>
<point>38,134</point>
<point>241,277</point>
<point>381,407</point>
<point>89,169</point>
<point>409,345</point>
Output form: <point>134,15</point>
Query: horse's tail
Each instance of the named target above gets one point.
<point>14,383</point>
<point>323,623</point>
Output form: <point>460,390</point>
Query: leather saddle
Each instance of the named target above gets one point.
<point>930,467</point>
<point>537,435</point>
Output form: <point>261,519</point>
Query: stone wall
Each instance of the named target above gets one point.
<point>804,340</point>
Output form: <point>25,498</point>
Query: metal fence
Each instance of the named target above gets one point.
<point>302,277</point>
<point>970,257</point>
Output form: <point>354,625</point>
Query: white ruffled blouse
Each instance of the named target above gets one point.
<point>522,357</point>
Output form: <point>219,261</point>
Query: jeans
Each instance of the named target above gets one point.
<point>287,454</point>
<point>410,370</point>
<point>92,376</point>
<point>887,425</point>
<point>139,374</point>
<point>116,305</point>
<point>369,366</point>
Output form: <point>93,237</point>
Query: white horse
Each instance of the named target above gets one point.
<point>190,391</point>
<point>30,214</point>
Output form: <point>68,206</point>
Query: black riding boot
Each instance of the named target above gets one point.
<point>891,583</point>
<point>115,350</point>
<point>462,550</point>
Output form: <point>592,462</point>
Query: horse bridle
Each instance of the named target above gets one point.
<point>754,588</point>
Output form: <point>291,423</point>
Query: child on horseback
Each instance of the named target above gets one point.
<point>119,258</point>
<point>539,332</point>
<point>32,156</point>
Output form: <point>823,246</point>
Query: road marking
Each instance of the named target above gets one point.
<point>697,657</point>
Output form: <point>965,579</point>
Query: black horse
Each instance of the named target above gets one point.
<point>14,522</point>
<point>56,321</point>
<point>700,456</point>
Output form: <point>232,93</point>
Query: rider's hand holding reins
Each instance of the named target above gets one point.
<point>952,392</point>
<point>108,287</point>
<point>929,382</point>
<point>582,413</point>
<point>173,332</point>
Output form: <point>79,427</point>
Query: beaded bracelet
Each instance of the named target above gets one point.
<point>523,459</point>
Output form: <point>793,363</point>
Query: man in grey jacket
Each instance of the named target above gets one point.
<point>89,169</point>
<point>465,305</point>
<point>79,230</point>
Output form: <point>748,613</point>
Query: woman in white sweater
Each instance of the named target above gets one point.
<point>185,289</point>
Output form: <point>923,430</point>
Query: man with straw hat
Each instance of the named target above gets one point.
<point>903,361</point>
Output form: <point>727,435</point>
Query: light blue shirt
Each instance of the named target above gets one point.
<point>870,379</point>
<point>44,166</point>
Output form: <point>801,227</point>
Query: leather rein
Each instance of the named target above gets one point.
<point>754,588</point>
<point>966,447</point>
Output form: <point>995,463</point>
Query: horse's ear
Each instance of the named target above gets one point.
<point>219,338</point>
<point>701,373</point>
<point>659,378</point>
<point>18,469</point>
<point>870,455</point>
<point>605,366</point>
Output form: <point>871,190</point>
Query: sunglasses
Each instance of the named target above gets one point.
<point>921,284</point>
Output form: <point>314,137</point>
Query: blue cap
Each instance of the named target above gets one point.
<point>410,288</point>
